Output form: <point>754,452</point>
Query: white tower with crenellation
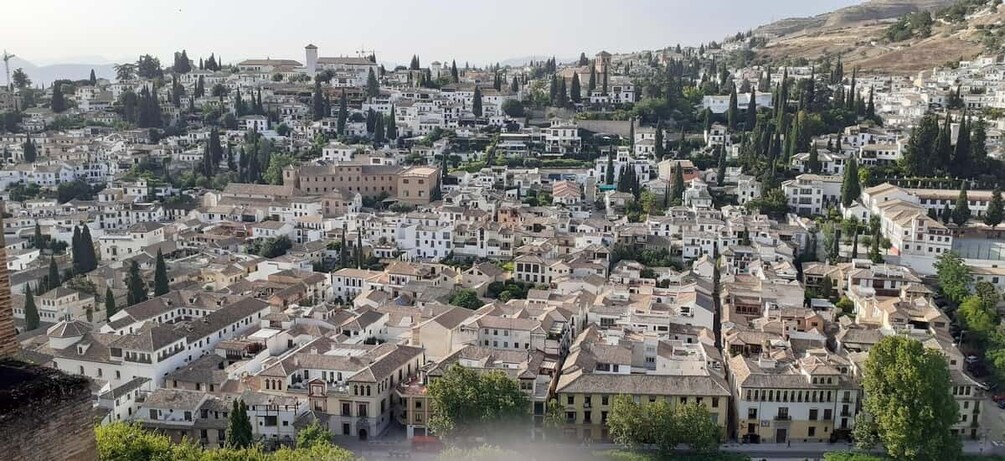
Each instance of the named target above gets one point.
<point>311,61</point>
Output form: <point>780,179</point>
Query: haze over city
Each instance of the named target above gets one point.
<point>57,31</point>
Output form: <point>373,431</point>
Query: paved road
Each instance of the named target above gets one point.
<point>390,451</point>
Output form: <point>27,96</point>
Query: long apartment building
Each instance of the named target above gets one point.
<point>412,185</point>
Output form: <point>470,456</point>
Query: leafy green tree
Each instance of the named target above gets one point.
<point>135,286</point>
<point>125,71</point>
<point>954,276</point>
<point>313,434</point>
<point>908,396</point>
<point>978,319</point>
<point>128,441</point>
<point>961,212</point>
<point>851,189</point>
<point>994,213</point>
<point>31,319</point>
<point>110,308</point>
<point>160,276</point>
<point>467,299</point>
<point>149,67</point>
<point>467,402</point>
<point>663,425</point>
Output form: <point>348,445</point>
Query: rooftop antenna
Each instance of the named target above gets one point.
<point>6,65</point>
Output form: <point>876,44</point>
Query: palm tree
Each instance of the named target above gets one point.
<point>125,71</point>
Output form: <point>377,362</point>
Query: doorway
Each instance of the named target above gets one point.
<point>781,435</point>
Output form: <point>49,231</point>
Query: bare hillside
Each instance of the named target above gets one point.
<point>857,34</point>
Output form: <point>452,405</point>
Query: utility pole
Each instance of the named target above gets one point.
<point>6,65</point>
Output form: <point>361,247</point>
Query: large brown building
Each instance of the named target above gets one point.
<point>413,185</point>
<point>8,339</point>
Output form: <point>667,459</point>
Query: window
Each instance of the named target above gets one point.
<point>751,413</point>
<point>812,431</point>
<point>570,400</point>
<point>270,421</point>
<point>813,414</point>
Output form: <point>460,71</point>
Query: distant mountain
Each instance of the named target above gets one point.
<point>48,73</point>
<point>522,61</point>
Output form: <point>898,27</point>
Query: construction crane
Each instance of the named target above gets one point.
<point>6,65</point>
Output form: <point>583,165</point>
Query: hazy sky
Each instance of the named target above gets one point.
<point>480,31</point>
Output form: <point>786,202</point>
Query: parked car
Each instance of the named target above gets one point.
<point>1001,405</point>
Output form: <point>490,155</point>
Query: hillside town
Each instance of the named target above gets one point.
<point>319,239</point>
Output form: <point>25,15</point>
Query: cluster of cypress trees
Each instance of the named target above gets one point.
<point>82,247</point>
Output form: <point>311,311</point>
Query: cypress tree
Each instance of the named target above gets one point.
<point>454,76</point>
<point>733,112</point>
<point>137,288</point>
<point>110,308</point>
<point>961,165</point>
<point>813,162</point>
<point>720,177</point>
<point>30,153</point>
<point>850,187</point>
<point>392,125</point>
<point>93,79</point>
<point>514,86</point>
<point>609,174</point>
<point>575,90</point>
<point>994,213</point>
<point>677,190</point>
<point>359,248</point>
<point>592,84</point>
<point>476,103</point>
<point>90,260</point>
<point>870,108</point>
<point>54,279</point>
<point>943,146</point>
<point>947,214</point>
<point>658,145</point>
<point>961,212</point>
<point>239,426</point>
<point>76,251</point>
<point>31,318</point>
<point>317,101</point>
<point>38,240</point>
<point>343,113</point>
<point>372,85</point>
<point>751,111</point>
<point>161,285</point>
<point>378,130</point>
<point>58,102</point>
